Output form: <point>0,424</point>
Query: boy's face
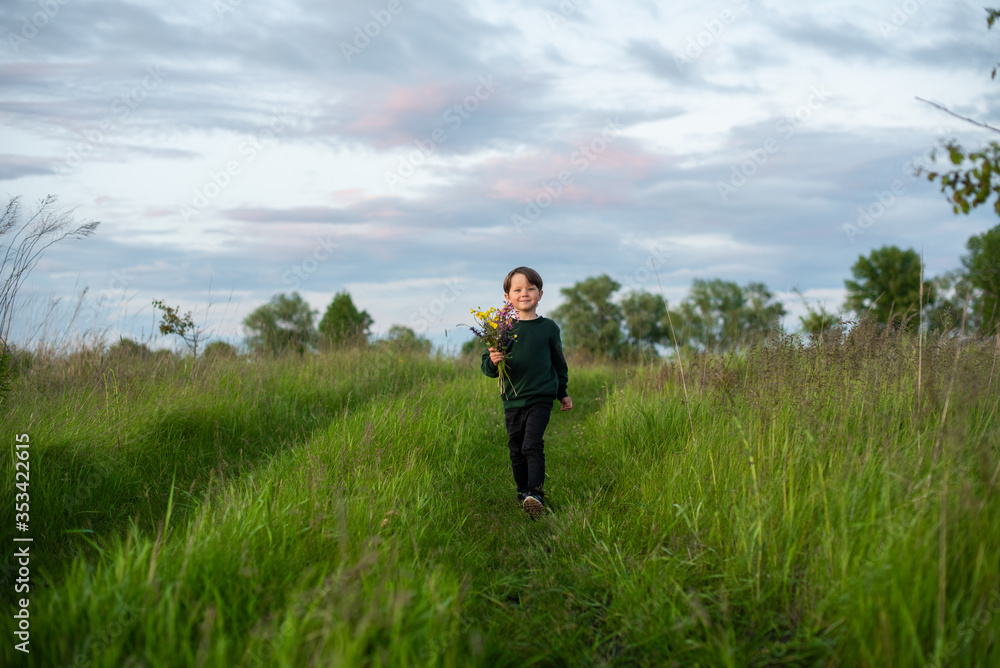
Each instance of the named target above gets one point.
<point>524,296</point>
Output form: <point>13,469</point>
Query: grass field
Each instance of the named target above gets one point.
<point>802,506</point>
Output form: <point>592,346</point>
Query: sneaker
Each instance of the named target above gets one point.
<point>533,506</point>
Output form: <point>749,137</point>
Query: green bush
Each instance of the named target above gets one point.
<point>126,348</point>
<point>220,350</point>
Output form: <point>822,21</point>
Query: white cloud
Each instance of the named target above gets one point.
<point>686,127</point>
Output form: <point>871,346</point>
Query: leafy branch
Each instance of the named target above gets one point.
<point>971,185</point>
<point>976,177</point>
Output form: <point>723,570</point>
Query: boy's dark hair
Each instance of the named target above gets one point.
<point>530,274</point>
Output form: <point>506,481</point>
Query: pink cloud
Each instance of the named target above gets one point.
<point>387,116</point>
<point>348,195</point>
<point>383,212</point>
<point>618,165</point>
<point>150,212</point>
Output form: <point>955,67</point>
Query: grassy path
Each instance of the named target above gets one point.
<point>573,469</point>
<point>358,510</point>
<point>531,591</point>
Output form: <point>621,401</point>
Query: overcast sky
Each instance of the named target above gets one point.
<point>412,153</point>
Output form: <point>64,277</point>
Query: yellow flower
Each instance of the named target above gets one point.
<point>493,325</point>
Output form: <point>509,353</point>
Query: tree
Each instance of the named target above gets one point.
<point>589,319</point>
<point>720,315</point>
<point>952,309</point>
<point>405,340</point>
<point>982,267</point>
<point>173,323</point>
<point>887,283</point>
<point>645,319</point>
<point>761,314</point>
<point>126,348</point>
<point>220,350</point>
<point>820,325</point>
<point>284,323</point>
<point>343,324</point>
<point>472,348</point>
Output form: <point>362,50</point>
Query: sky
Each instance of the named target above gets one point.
<point>412,153</point>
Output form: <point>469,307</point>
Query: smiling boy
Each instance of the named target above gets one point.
<point>537,376</point>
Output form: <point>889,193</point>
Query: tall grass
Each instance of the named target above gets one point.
<point>356,508</point>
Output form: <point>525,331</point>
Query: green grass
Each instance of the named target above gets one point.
<point>357,508</point>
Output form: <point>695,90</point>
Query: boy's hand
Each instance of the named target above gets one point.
<point>495,356</point>
<point>567,403</point>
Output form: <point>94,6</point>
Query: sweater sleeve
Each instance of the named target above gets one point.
<point>488,367</point>
<point>559,363</point>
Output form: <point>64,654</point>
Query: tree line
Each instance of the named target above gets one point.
<point>887,286</point>
<point>287,324</point>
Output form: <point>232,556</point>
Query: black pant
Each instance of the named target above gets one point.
<point>525,429</point>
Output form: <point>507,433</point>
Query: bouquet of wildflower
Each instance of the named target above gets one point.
<point>496,329</point>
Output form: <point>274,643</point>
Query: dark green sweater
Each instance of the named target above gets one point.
<point>535,364</point>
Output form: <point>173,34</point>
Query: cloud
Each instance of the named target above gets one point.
<point>315,213</point>
<point>293,215</point>
<point>17,166</point>
<point>838,38</point>
<point>676,68</point>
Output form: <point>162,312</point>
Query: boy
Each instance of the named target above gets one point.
<point>537,377</point>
